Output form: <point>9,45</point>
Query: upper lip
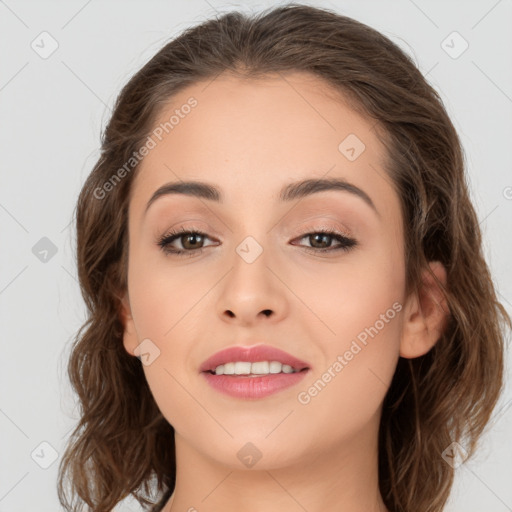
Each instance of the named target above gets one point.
<point>252,355</point>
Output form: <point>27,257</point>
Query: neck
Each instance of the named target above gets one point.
<point>342,479</point>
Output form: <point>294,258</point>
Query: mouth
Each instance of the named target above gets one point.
<point>256,369</point>
<point>253,372</point>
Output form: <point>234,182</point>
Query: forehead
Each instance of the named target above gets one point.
<point>251,136</point>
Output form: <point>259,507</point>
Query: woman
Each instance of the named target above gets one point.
<point>289,307</point>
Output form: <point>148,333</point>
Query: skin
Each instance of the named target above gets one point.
<point>249,138</point>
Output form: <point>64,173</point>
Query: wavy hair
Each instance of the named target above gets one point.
<point>122,444</point>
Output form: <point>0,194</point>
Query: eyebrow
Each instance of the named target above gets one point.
<point>289,192</point>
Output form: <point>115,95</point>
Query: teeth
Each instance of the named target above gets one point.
<point>261,367</point>
<point>275,367</point>
<point>258,368</point>
<point>242,368</point>
<point>288,369</point>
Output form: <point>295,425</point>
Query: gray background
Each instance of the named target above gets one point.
<point>52,111</point>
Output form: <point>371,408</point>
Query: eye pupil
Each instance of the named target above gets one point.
<point>320,236</point>
<point>192,236</point>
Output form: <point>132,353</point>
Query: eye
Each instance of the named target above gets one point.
<point>191,241</point>
<point>321,241</point>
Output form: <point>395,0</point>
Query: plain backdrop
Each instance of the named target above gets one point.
<point>62,65</point>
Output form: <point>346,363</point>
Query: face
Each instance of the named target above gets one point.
<point>262,272</point>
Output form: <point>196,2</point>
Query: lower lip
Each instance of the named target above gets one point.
<point>242,386</point>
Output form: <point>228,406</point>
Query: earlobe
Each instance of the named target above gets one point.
<point>130,338</point>
<point>426,314</point>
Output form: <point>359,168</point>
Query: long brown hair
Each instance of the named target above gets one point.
<point>122,444</point>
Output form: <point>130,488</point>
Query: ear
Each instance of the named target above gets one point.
<point>130,338</point>
<point>426,314</point>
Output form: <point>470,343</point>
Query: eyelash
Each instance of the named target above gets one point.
<point>165,240</point>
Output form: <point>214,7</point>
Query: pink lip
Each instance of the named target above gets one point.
<point>252,355</point>
<point>243,386</point>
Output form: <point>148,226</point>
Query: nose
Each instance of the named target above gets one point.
<point>252,292</point>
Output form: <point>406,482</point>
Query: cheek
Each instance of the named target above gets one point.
<point>168,308</point>
<point>347,295</point>
<point>165,296</point>
<point>361,304</point>
<point>346,395</point>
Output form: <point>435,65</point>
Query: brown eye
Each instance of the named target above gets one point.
<point>320,241</point>
<point>191,241</point>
